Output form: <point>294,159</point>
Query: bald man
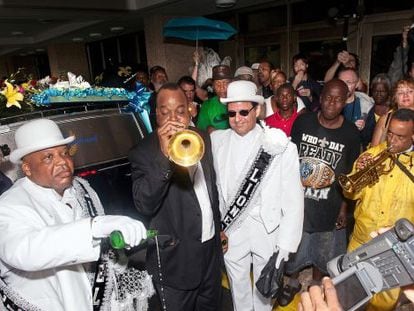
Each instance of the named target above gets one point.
<point>328,145</point>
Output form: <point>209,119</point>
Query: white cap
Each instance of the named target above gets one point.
<point>255,66</point>
<point>243,70</point>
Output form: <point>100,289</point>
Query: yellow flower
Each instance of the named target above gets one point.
<point>12,95</point>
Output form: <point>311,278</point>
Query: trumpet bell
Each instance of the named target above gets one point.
<point>186,148</point>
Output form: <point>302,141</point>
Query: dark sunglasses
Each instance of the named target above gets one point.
<point>243,113</point>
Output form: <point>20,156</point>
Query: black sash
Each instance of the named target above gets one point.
<point>98,288</point>
<point>247,189</point>
<point>99,283</point>
<point>13,301</point>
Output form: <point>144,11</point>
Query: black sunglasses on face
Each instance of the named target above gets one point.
<point>243,113</point>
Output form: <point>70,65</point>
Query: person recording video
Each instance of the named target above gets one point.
<point>325,296</point>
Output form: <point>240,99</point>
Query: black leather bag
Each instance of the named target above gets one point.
<point>270,282</point>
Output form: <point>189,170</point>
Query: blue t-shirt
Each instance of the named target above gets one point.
<point>352,111</point>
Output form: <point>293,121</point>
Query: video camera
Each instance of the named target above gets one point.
<point>385,262</point>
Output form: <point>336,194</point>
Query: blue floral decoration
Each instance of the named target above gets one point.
<point>138,99</point>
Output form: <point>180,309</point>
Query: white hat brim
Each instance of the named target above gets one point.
<point>255,98</point>
<point>17,155</point>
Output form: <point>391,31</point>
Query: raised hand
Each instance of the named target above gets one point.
<point>164,132</point>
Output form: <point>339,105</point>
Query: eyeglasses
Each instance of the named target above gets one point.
<point>405,92</point>
<point>243,113</point>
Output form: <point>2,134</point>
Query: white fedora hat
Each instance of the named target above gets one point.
<point>37,135</point>
<point>242,91</point>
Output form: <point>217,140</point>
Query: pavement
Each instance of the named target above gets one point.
<point>305,278</point>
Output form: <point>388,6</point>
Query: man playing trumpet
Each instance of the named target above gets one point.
<point>391,197</point>
<point>181,202</point>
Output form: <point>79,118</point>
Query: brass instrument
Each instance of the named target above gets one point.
<point>186,148</point>
<point>368,176</point>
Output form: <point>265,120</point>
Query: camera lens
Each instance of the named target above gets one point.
<point>404,229</point>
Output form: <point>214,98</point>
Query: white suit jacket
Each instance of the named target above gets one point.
<point>43,244</point>
<point>281,194</point>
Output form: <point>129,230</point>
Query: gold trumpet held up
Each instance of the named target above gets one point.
<point>368,176</point>
<point>186,148</point>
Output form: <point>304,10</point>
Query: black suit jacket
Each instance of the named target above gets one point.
<point>164,192</point>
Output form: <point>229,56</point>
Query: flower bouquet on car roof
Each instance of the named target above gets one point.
<point>74,89</point>
<point>16,93</point>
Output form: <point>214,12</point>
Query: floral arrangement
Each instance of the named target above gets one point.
<point>138,100</point>
<point>20,94</point>
<point>16,94</point>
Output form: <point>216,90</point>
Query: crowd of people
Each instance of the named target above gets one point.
<point>267,184</point>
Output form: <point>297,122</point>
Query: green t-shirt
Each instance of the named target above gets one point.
<point>213,113</point>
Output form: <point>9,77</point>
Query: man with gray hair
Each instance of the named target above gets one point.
<point>261,197</point>
<point>51,227</point>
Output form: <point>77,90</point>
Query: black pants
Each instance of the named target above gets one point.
<point>206,297</point>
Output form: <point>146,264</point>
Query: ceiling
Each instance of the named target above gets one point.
<point>30,27</point>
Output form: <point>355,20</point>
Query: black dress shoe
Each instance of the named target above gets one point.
<point>288,292</point>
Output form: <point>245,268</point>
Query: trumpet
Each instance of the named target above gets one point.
<point>186,148</point>
<point>368,176</point>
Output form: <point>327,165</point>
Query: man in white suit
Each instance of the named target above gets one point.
<point>51,226</point>
<point>261,196</point>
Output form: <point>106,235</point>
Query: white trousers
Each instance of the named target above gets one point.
<point>249,244</point>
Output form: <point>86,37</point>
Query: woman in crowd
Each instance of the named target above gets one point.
<point>403,97</point>
<point>380,91</point>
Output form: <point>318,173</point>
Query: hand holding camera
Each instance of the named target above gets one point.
<point>320,298</point>
<point>382,263</point>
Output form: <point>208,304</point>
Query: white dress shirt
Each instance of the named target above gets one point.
<point>241,150</point>
<point>200,187</point>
